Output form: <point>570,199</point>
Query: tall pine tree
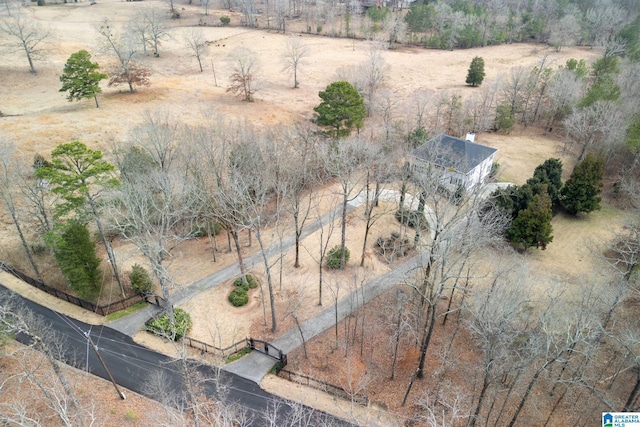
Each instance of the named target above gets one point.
<point>76,255</point>
<point>532,227</point>
<point>80,77</point>
<point>475,76</point>
<point>581,192</point>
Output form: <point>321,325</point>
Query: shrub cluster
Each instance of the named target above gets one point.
<point>163,327</point>
<point>334,256</point>
<point>393,246</point>
<point>239,295</point>
<point>411,218</point>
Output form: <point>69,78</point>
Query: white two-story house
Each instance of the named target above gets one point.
<point>454,162</point>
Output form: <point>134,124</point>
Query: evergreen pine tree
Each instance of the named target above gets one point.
<point>581,192</point>
<point>80,77</point>
<point>475,76</point>
<point>532,227</point>
<point>341,108</point>
<point>76,255</point>
<point>548,173</point>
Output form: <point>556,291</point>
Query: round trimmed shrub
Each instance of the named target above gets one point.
<point>238,297</point>
<point>163,327</point>
<point>225,20</point>
<point>334,256</point>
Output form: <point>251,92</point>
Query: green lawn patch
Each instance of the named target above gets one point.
<point>127,311</point>
<point>238,355</point>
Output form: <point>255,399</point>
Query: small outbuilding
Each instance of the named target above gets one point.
<point>455,162</point>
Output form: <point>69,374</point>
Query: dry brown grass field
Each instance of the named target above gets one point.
<point>38,118</point>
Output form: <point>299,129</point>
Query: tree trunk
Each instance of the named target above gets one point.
<point>369,205</point>
<point>343,237</point>
<point>25,245</point>
<point>296,264</point>
<point>427,340</point>
<point>320,281</point>
<point>267,269</point>
<point>397,345</point>
<point>236,241</point>
<point>485,386</point>
<point>528,391</point>
<point>107,244</point>
<point>96,99</point>
<point>212,242</point>
<point>304,342</point>
<point>32,69</point>
<point>421,205</point>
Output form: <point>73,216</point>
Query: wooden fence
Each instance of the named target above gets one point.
<point>332,389</point>
<point>102,310</point>
<point>208,348</point>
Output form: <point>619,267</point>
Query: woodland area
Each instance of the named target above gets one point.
<point>240,157</point>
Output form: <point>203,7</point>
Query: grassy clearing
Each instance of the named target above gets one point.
<point>238,355</point>
<point>127,311</point>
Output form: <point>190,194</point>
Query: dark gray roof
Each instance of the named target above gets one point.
<point>448,151</point>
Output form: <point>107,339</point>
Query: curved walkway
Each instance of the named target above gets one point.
<point>132,323</point>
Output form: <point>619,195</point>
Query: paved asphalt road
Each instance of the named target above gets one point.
<point>131,364</point>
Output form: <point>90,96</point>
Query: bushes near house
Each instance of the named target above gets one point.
<point>411,218</point>
<point>163,327</point>
<point>239,296</point>
<point>334,256</point>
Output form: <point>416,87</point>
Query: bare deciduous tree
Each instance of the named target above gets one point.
<point>10,176</point>
<point>248,8</point>
<point>598,127</point>
<point>457,232</point>
<point>58,393</point>
<point>157,27</point>
<point>324,238</point>
<point>438,410</point>
<point>344,160</point>
<point>244,79</point>
<point>565,88</point>
<point>378,171</point>
<point>24,34</point>
<point>514,85</point>
<point>372,73</point>
<point>123,48</point>
<point>303,172</point>
<point>156,206</point>
<point>566,31</point>
<point>498,316</point>
<point>294,53</point>
<point>196,44</point>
